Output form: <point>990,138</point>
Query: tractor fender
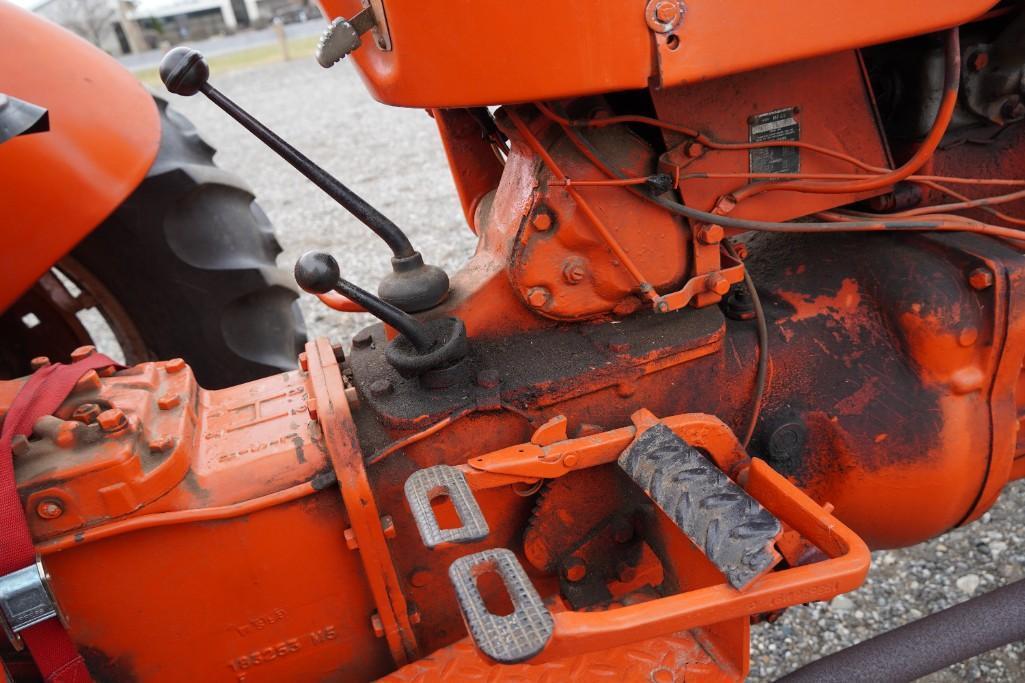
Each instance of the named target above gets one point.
<point>57,186</point>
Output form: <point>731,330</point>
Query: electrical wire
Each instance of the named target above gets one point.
<point>762,372</point>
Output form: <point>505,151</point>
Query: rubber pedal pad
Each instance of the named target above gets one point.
<point>511,638</point>
<point>730,527</point>
<point>430,483</point>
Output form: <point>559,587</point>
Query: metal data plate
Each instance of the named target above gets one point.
<point>425,485</point>
<point>24,599</point>
<point>506,639</point>
<point>732,529</point>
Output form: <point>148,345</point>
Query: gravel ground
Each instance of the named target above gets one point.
<point>394,159</point>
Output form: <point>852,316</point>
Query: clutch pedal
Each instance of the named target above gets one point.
<point>733,530</point>
<point>506,639</point>
<point>431,483</point>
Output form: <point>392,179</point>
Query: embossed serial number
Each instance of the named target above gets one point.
<point>284,648</point>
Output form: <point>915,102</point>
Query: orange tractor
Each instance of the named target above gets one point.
<point>748,300</point>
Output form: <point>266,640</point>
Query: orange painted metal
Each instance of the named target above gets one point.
<point>55,187</point>
<point>462,55</point>
<point>207,528</point>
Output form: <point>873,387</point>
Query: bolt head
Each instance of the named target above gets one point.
<point>718,284</point>
<point>538,297</point>
<point>667,11</point>
<point>980,278</point>
<point>86,413</point>
<point>542,221</point>
<point>381,388</point>
<point>50,509</point>
<point>363,339</point>
<point>174,365</point>
<point>710,234</point>
<point>112,420</point>
<point>574,270</point>
<point>39,362</point>
<point>978,61</point>
<point>694,149</point>
<point>420,578</point>
<point>575,570</point>
<point>82,352</point>
<point>168,401</point>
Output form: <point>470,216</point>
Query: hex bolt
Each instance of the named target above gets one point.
<point>980,278</point>
<point>574,270</point>
<point>575,570</point>
<point>978,61</point>
<point>538,297</point>
<point>718,284</point>
<point>161,444</point>
<point>388,526</point>
<point>542,221</point>
<point>90,381</point>
<point>380,388</point>
<point>112,420</point>
<point>710,234</point>
<point>311,408</point>
<point>362,340</point>
<point>350,539</point>
<point>86,413</point>
<point>168,401</point>
<point>304,362</point>
<point>174,365</point>
<point>376,625</point>
<point>693,149</point>
<point>82,352</point>
<point>49,509</point>
<point>39,362</point>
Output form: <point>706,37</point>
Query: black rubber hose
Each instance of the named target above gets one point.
<point>929,644</point>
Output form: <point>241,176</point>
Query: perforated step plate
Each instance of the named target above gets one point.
<point>732,529</point>
<point>425,485</point>
<point>506,639</point>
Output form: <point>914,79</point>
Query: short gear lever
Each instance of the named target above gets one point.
<point>412,286</point>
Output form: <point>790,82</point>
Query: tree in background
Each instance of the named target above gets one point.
<point>90,19</point>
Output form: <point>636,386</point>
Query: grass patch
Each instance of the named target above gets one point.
<point>298,48</point>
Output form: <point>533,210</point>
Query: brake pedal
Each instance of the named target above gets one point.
<point>506,639</point>
<point>430,483</point>
<point>733,530</point>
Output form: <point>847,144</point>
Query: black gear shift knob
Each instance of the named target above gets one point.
<point>184,71</point>
<point>317,272</point>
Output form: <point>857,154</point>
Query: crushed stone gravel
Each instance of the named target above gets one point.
<point>394,159</point>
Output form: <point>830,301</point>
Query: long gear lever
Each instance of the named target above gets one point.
<point>412,286</point>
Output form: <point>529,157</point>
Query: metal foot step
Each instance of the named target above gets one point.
<point>430,483</point>
<point>732,529</point>
<point>511,638</point>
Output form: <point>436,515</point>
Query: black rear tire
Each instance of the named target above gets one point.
<point>190,258</point>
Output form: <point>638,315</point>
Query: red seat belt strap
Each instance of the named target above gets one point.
<point>49,644</point>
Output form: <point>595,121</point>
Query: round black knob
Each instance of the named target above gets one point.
<point>184,71</point>
<point>317,272</point>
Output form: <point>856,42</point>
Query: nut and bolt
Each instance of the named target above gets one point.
<point>980,278</point>
<point>50,509</point>
<point>39,362</point>
<point>169,400</point>
<point>538,297</point>
<point>710,234</point>
<point>82,352</point>
<point>574,270</point>
<point>667,11</point>
<point>86,413</point>
<point>174,365</point>
<point>542,221</point>
<point>575,570</point>
<point>381,387</point>
<point>718,284</point>
<point>363,339</point>
<point>112,420</point>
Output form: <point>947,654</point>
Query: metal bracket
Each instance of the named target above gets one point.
<point>25,601</point>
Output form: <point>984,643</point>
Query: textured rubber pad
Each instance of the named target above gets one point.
<point>733,530</point>
<point>425,485</point>
<point>511,638</point>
